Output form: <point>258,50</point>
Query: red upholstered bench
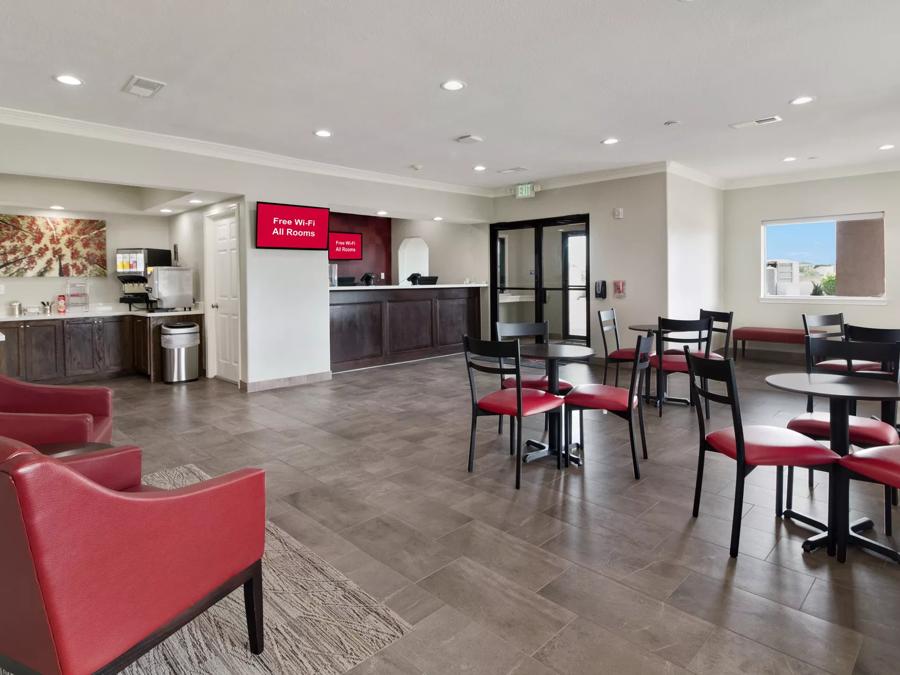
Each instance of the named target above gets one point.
<point>790,336</point>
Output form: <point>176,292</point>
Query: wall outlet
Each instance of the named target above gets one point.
<point>382,276</point>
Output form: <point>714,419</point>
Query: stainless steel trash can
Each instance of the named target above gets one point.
<point>181,352</point>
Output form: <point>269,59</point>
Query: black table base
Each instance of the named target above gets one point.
<point>853,538</point>
<point>542,450</point>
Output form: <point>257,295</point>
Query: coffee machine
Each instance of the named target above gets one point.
<point>133,266</point>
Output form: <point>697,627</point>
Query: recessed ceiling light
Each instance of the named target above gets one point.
<point>610,141</point>
<point>323,133</point>
<point>480,168</point>
<point>453,85</point>
<point>803,100</point>
<point>57,207</point>
<point>195,201</point>
<point>790,159</point>
<point>165,210</point>
<point>887,146</point>
<point>438,218</point>
<point>70,80</point>
<point>381,213</point>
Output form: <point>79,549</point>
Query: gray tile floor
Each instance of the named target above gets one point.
<point>581,571</point>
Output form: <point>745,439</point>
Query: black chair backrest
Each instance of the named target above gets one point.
<point>500,354</point>
<point>641,362</point>
<point>866,334</point>
<point>674,330</point>
<point>608,324</point>
<point>829,325</point>
<point>540,330</point>
<point>721,324</point>
<point>885,353</point>
<point>700,373</point>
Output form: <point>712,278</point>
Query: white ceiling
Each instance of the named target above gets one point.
<point>548,80</point>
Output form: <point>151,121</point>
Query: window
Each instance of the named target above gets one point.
<point>838,256</point>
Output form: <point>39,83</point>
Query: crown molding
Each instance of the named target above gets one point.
<point>695,175</point>
<point>816,174</point>
<point>590,177</point>
<point>150,139</point>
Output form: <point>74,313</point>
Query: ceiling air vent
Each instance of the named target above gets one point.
<point>469,139</point>
<point>515,169</point>
<point>143,86</point>
<point>761,122</point>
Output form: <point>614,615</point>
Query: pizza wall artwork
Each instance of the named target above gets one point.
<point>36,246</point>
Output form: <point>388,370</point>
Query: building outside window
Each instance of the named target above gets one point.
<point>838,256</point>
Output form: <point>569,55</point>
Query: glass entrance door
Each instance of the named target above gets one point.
<point>539,272</point>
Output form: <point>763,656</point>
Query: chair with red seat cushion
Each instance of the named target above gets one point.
<point>40,414</point>
<point>517,402</point>
<point>617,400</point>
<point>749,446</point>
<point>877,465</point>
<point>864,432</point>
<point>95,571</point>
<point>539,331</point>
<point>680,332</point>
<point>609,325</point>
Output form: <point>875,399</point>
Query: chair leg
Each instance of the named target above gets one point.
<point>500,425</point>
<point>779,491</point>
<point>554,441</point>
<point>617,374</point>
<point>472,444</point>
<point>634,459</point>
<point>789,498</point>
<point>888,508</point>
<point>738,508</point>
<point>512,435</point>
<point>809,404</point>
<point>640,410</point>
<point>832,510</point>
<point>706,400</point>
<point>811,480</point>
<point>253,605</point>
<point>605,369</point>
<point>581,426</point>
<point>567,440</point>
<point>842,512</point>
<point>518,451</point>
<point>699,485</point>
<point>895,496</point>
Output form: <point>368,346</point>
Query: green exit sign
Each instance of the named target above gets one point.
<point>525,191</point>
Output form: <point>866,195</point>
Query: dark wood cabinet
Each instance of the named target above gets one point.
<point>42,346</point>
<point>78,338</point>
<point>113,341</point>
<point>140,341</point>
<point>12,348</point>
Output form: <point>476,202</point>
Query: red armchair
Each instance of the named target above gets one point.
<point>43,413</point>
<point>96,569</point>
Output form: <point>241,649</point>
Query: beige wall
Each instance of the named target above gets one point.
<point>746,209</point>
<point>633,249</point>
<point>695,247</point>
<point>456,252</point>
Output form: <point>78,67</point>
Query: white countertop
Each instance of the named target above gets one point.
<point>93,313</point>
<point>409,287</point>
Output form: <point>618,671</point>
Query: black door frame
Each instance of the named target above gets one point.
<point>538,225</point>
<point>568,288</point>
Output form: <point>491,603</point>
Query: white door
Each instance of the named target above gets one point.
<point>226,304</point>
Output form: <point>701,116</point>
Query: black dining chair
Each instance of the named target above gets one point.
<point>503,359</point>
<point>617,400</point>
<point>750,446</point>
<point>681,332</point>
<point>609,331</point>
<point>540,332</point>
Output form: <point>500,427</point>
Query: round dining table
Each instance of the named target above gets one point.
<point>841,391</point>
<point>661,388</point>
<point>552,354</point>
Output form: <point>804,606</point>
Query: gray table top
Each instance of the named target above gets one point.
<point>836,386</point>
<point>558,352</point>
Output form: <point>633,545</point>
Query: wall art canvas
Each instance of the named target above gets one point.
<point>36,246</point>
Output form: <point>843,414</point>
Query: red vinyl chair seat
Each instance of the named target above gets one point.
<point>840,365</point>
<point>772,446</point>
<point>699,354</point>
<point>863,430</point>
<point>624,354</point>
<point>600,397</point>
<point>542,383</point>
<point>881,464</point>
<point>671,363</point>
<point>534,402</point>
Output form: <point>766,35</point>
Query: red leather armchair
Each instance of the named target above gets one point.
<point>95,569</point>
<point>45,413</point>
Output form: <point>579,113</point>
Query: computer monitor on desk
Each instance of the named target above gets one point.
<point>427,281</point>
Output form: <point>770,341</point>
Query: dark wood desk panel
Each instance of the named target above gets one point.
<point>390,325</point>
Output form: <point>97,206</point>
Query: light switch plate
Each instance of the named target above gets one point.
<point>618,213</point>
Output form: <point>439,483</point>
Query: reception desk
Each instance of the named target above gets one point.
<point>375,325</point>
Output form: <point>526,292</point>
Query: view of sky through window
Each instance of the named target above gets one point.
<point>804,242</point>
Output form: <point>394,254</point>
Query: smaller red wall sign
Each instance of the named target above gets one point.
<point>345,246</point>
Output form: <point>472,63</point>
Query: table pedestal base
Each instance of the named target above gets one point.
<point>853,538</point>
<point>542,450</point>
